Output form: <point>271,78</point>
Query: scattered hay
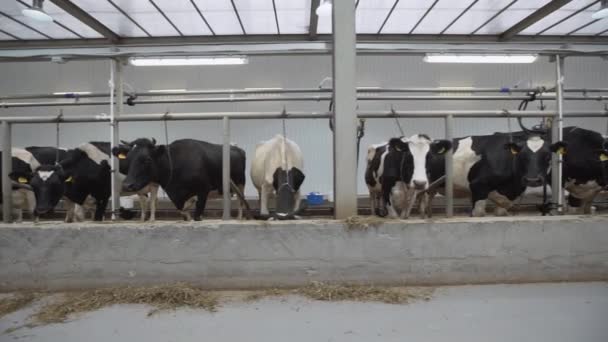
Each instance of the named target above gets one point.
<point>16,302</point>
<point>361,293</point>
<point>363,222</point>
<point>167,297</point>
<point>257,295</point>
<point>358,293</point>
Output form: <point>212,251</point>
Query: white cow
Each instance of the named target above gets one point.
<point>277,167</point>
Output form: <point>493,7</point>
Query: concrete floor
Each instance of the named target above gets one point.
<point>535,312</point>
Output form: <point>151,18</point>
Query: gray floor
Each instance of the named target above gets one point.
<point>535,312</point>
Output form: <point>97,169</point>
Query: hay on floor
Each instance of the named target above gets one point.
<point>358,293</point>
<point>167,297</point>
<point>363,222</point>
<point>16,302</point>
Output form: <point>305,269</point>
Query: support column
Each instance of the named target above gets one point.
<point>557,193</point>
<point>449,168</point>
<point>117,99</point>
<point>345,108</point>
<point>226,169</point>
<point>7,166</point>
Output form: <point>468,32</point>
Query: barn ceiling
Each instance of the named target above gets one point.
<point>85,21</point>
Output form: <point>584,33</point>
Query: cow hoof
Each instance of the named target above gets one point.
<point>197,218</point>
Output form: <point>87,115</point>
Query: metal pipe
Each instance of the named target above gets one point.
<point>557,135</point>
<point>449,168</point>
<point>116,106</point>
<point>298,115</point>
<point>316,98</point>
<point>301,91</point>
<point>226,168</point>
<point>7,166</point>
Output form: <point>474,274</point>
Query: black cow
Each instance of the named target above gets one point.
<point>185,168</point>
<point>498,167</point>
<point>398,170</point>
<point>585,166</point>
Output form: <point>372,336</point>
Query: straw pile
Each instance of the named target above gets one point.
<point>16,302</point>
<point>167,297</point>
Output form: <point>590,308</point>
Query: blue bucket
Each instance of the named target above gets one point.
<point>314,198</point>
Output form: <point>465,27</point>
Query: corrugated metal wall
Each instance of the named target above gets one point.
<point>313,136</point>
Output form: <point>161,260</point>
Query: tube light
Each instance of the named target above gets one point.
<point>482,59</point>
<point>72,93</point>
<point>167,91</point>
<point>173,61</point>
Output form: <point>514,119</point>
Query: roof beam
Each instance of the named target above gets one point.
<point>314,19</point>
<point>533,18</point>
<point>494,16</point>
<point>568,17</point>
<point>86,19</point>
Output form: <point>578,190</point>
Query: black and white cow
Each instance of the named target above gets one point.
<point>22,197</point>
<point>278,167</point>
<point>498,167</point>
<point>82,177</point>
<point>398,170</point>
<point>585,166</point>
<point>185,168</point>
<point>121,153</point>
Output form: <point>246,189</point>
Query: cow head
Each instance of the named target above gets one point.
<point>286,184</point>
<point>415,151</point>
<point>142,163</point>
<point>597,157</point>
<point>48,183</point>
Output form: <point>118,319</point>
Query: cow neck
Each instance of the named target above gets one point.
<point>165,170</point>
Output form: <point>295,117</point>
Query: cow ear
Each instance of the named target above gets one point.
<point>441,146</point>
<point>397,144</point>
<point>120,152</point>
<point>602,155</point>
<point>21,177</point>
<point>513,147</point>
<point>560,147</point>
<point>159,150</point>
<point>297,176</point>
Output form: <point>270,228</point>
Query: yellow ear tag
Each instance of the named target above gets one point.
<point>562,151</point>
<point>513,151</point>
<point>122,156</point>
<point>603,157</point>
<point>22,180</point>
<point>69,179</point>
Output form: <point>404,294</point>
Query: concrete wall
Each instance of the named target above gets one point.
<point>313,136</point>
<point>254,254</point>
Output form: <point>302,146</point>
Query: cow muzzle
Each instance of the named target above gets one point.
<point>420,184</point>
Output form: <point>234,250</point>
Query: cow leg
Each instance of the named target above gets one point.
<point>201,202</point>
<point>409,201</point>
<point>387,189</point>
<point>422,204</point>
<point>69,210</point>
<point>100,209</point>
<point>372,203</point>
<point>429,204</point>
<point>503,203</point>
<point>31,204</point>
<point>153,202</point>
<point>479,197</point>
<point>143,203</point>
<point>187,206</point>
<point>264,193</point>
<point>240,203</point>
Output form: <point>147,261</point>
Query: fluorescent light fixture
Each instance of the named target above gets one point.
<point>175,61</point>
<point>324,9</point>
<point>36,12</point>
<point>602,12</point>
<point>72,93</point>
<point>167,91</point>
<point>482,59</point>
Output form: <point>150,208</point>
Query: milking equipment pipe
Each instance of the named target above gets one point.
<point>557,135</point>
<point>115,105</point>
<point>7,166</point>
<point>449,168</point>
<point>226,168</point>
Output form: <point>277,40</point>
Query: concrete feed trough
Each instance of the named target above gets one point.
<point>249,254</point>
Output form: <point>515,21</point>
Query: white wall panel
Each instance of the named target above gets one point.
<point>313,136</point>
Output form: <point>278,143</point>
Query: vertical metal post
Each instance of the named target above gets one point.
<point>226,168</point>
<point>449,168</point>
<point>345,106</point>
<point>7,166</point>
<point>116,100</point>
<point>557,135</point>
